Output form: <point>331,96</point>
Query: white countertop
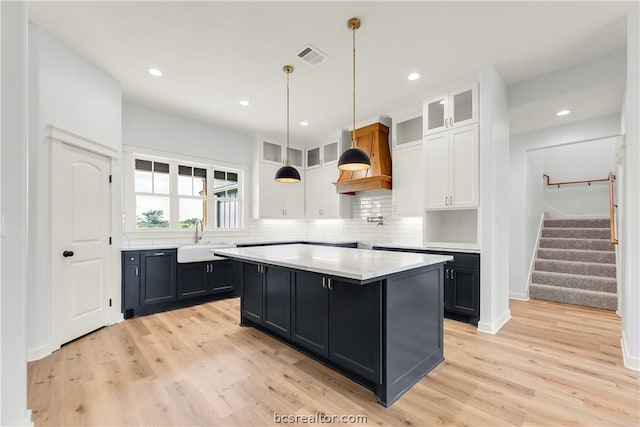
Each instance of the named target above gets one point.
<point>449,247</point>
<point>359,264</point>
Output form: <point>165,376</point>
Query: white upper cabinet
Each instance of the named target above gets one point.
<point>322,200</point>
<point>277,199</point>
<point>454,109</point>
<point>276,153</point>
<point>323,154</point>
<point>451,162</point>
<point>407,167</point>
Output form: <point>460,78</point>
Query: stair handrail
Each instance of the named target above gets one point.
<point>612,215</point>
<point>586,181</point>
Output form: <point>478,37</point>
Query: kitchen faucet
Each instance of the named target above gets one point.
<point>199,235</point>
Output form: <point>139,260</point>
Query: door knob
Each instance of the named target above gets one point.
<point>67,254</point>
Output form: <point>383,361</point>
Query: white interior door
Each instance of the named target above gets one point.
<point>81,230</point>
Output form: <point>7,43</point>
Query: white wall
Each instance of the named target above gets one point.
<point>631,226</point>
<point>69,92</point>
<point>153,129</point>
<point>534,208</point>
<point>13,261</point>
<point>577,162</point>
<point>494,202</point>
<point>522,220</point>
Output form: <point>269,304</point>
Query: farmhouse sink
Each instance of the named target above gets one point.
<point>200,252</point>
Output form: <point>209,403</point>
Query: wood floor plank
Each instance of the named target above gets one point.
<point>552,364</point>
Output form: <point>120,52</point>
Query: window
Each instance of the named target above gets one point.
<point>225,191</point>
<point>152,194</point>
<point>174,195</point>
<point>192,192</point>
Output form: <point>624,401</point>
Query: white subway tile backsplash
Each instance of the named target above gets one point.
<point>371,203</point>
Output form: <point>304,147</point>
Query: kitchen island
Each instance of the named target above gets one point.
<point>374,316</point>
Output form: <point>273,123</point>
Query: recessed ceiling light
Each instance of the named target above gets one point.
<point>304,123</point>
<point>154,72</point>
<point>245,103</point>
<point>563,112</point>
<point>414,76</point>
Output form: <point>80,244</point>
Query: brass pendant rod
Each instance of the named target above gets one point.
<point>353,132</point>
<point>287,69</point>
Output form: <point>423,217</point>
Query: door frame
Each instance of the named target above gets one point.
<point>58,138</point>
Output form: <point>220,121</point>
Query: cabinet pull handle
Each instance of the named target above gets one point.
<point>450,200</point>
<point>158,253</point>
<point>258,267</point>
<point>452,274</point>
<point>136,271</point>
<point>446,123</point>
<point>207,268</point>
<point>451,121</point>
<point>324,282</point>
<point>329,285</point>
<point>445,201</point>
<point>211,270</point>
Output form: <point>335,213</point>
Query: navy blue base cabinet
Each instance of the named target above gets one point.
<point>153,281</point>
<point>461,283</point>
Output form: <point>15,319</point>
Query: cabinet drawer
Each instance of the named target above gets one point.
<point>466,260</point>
<point>131,258</point>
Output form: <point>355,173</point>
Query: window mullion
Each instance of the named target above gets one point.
<point>174,221</point>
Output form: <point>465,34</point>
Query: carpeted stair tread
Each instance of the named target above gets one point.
<point>572,243</point>
<point>580,223</point>
<point>576,233</point>
<point>603,257</point>
<point>587,298</point>
<point>578,281</point>
<point>576,267</point>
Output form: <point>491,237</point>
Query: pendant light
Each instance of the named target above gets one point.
<point>354,158</point>
<point>287,173</point>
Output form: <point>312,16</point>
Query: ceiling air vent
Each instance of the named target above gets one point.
<point>311,55</point>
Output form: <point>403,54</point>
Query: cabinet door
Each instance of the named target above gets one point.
<point>315,189</point>
<point>270,193</point>
<point>191,280</point>
<point>463,167</point>
<point>309,317</point>
<point>355,328</point>
<point>293,198</point>
<point>158,278</point>
<point>330,153</point>
<point>252,292</point>
<point>408,180</point>
<point>464,296</point>
<point>272,152</point>
<point>434,114</point>
<point>335,205</point>
<point>130,287</point>
<point>221,276</point>
<point>464,106</point>
<point>277,301</point>
<point>313,157</point>
<point>436,170</point>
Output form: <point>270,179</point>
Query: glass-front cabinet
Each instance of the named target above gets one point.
<point>323,154</point>
<point>451,110</point>
<point>275,153</point>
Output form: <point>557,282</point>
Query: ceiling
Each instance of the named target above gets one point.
<point>214,54</point>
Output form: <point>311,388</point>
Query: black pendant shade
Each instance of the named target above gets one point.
<point>287,173</point>
<point>354,159</point>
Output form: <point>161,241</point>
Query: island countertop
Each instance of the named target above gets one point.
<point>358,264</point>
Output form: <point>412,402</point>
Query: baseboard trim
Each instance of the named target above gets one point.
<point>518,296</point>
<point>493,328</point>
<point>630,362</point>
<point>40,352</point>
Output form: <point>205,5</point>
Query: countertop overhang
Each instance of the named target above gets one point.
<point>358,264</point>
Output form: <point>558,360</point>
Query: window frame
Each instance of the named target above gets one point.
<point>174,160</point>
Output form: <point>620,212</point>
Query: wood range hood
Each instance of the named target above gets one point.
<point>373,140</point>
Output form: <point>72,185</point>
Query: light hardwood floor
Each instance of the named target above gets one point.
<point>550,365</point>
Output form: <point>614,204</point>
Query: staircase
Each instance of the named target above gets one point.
<point>576,264</point>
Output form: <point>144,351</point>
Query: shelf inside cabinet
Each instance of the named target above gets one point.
<point>451,226</point>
